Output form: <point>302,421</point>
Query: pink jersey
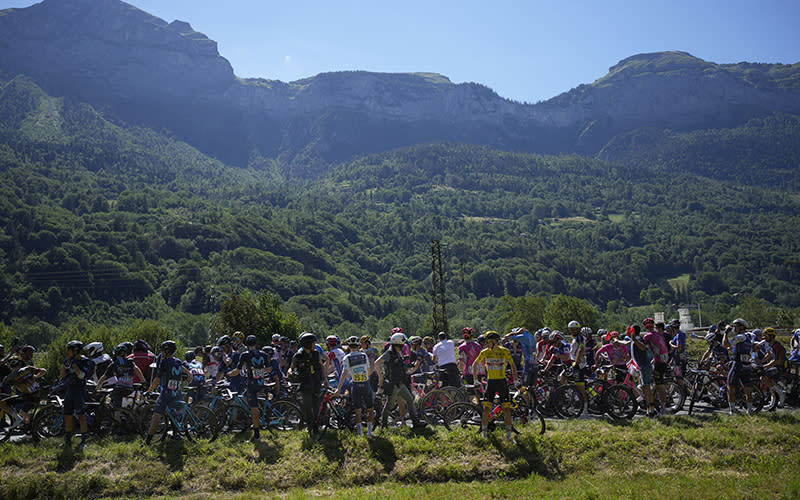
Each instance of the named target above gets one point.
<point>658,346</point>
<point>467,352</point>
<point>617,353</point>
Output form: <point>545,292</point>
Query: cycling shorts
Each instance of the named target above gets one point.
<point>739,374</point>
<point>252,394</point>
<point>74,400</point>
<point>164,399</point>
<point>579,374</point>
<point>646,370</point>
<point>118,394</point>
<point>659,370</point>
<point>362,395</point>
<point>774,373</point>
<point>529,373</point>
<point>499,387</point>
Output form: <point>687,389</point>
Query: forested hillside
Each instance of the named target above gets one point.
<point>107,223</point>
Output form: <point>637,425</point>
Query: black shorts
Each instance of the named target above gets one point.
<point>579,375</point>
<point>118,394</point>
<point>529,374</point>
<point>739,374</point>
<point>362,396</point>
<point>496,386</point>
<point>659,370</point>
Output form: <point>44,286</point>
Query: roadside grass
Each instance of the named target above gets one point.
<point>708,456</point>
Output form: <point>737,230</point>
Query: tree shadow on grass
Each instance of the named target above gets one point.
<point>330,443</point>
<point>172,453</point>
<point>528,455</point>
<point>383,451</point>
<point>267,452</point>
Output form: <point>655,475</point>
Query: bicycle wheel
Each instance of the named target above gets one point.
<point>675,397</point>
<point>620,402</point>
<point>595,391</point>
<point>462,415</point>
<point>528,415</point>
<point>200,423</point>
<point>567,401</point>
<point>238,418</point>
<point>282,415</point>
<point>7,431</point>
<point>48,422</point>
<point>433,406</point>
<point>544,402</point>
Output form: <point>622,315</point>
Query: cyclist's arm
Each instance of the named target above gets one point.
<point>154,384</point>
<point>138,372</point>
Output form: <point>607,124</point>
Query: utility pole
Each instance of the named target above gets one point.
<point>437,289</point>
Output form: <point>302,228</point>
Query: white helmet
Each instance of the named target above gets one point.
<point>398,339</point>
<point>93,349</point>
<point>740,321</point>
<point>711,336</point>
<point>573,324</point>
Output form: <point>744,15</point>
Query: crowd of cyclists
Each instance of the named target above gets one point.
<point>548,372</point>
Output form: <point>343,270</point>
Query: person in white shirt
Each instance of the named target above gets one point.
<point>444,355</point>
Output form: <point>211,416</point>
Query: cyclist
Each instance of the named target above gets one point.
<point>641,358</point>
<point>357,367</point>
<point>580,369</point>
<point>590,343</point>
<point>168,376</point>
<point>427,343</point>
<point>122,370</point>
<point>75,371</point>
<point>794,345</point>
<point>716,356</point>
<point>196,388</point>
<point>467,352</point>
<point>25,379</point>
<point>143,358</point>
<point>372,354</point>
<point>309,368</point>
<point>530,360</point>
<point>773,370</point>
<point>558,355</point>
<point>335,356</point>
<point>101,360</point>
<point>258,367</point>
<point>496,359</point>
<point>616,352</point>
<point>396,385</point>
<point>741,344</point>
<point>657,345</point>
<point>230,360</point>
<point>237,343</point>
<point>444,355</point>
<point>421,361</point>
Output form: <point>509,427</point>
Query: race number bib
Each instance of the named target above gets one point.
<point>360,375</point>
<point>258,373</point>
<point>173,385</point>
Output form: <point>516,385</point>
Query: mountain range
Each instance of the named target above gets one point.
<point>143,178</point>
<point>166,76</point>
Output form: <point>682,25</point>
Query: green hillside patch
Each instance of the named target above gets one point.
<point>681,457</point>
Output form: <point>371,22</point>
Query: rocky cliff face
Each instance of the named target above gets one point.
<point>167,76</point>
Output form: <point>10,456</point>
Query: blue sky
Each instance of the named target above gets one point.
<point>525,50</point>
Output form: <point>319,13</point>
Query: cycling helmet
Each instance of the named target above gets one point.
<point>169,346</point>
<point>415,339</point>
<point>307,339</point>
<point>466,332</point>
<point>27,348</point>
<point>740,321</point>
<point>251,340</point>
<point>397,329</point>
<point>586,330</point>
<point>769,331</point>
<point>556,335</point>
<point>674,323</point>
<point>276,337</point>
<point>141,345</point>
<point>121,350</point>
<point>711,336</point>
<point>481,339</point>
<point>757,333</point>
<point>648,321</point>
<point>238,335</point>
<point>216,350</point>
<point>366,338</point>
<point>398,338</point>
<point>14,362</point>
<point>284,339</point>
<point>352,340</point>
<point>190,356</point>
<point>268,350</point>
<point>610,335</point>
<point>492,335</point>
<point>573,324</point>
<point>224,340</point>
<point>427,339</point>
<point>93,349</point>
<point>601,331</point>
<point>75,345</point>
<point>332,340</point>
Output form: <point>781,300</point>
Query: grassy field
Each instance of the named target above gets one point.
<point>712,456</point>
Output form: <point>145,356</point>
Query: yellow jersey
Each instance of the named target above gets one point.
<point>496,360</point>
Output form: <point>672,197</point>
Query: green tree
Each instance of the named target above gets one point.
<point>524,311</point>
<point>562,309</point>
<point>260,315</point>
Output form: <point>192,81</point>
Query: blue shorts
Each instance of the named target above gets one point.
<point>362,395</point>
<point>646,370</point>
<point>74,400</point>
<point>529,373</point>
<point>164,399</point>
<point>252,394</point>
<point>739,374</point>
